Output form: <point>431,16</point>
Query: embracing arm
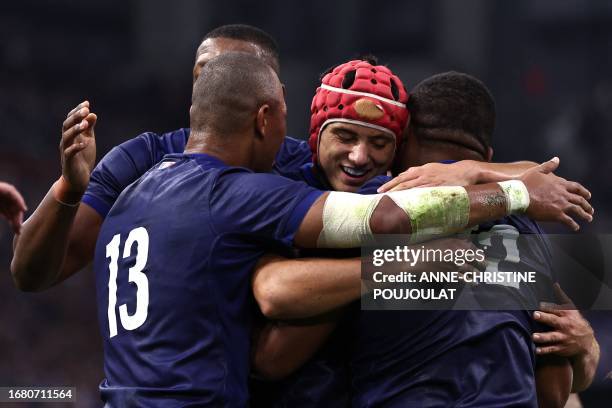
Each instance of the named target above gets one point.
<point>487,172</point>
<point>304,287</point>
<point>308,287</point>
<point>339,219</point>
<point>461,173</point>
<point>280,348</point>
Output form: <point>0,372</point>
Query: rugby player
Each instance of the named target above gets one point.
<point>12,206</point>
<point>458,358</point>
<point>427,144</point>
<point>450,145</point>
<point>175,252</point>
<point>69,194</point>
<point>59,237</point>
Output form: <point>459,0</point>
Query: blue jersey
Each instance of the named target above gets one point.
<point>173,264</point>
<point>323,381</point>
<point>452,358</point>
<point>293,155</point>
<point>125,163</point>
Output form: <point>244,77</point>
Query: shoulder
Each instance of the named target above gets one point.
<point>165,143</point>
<point>247,181</point>
<point>293,145</point>
<point>292,154</point>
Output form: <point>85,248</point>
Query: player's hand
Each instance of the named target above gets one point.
<point>78,147</point>
<point>433,174</point>
<point>553,198</point>
<point>571,334</point>
<point>12,206</point>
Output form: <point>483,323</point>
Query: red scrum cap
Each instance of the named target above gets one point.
<point>360,93</point>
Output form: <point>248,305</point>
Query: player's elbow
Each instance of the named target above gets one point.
<point>22,272</point>
<point>22,277</point>
<point>271,300</point>
<point>269,295</point>
<point>388,218</point>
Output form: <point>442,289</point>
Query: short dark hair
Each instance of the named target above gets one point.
<point>453,103</point>
<point>254,35</point>
<point>230,88</point>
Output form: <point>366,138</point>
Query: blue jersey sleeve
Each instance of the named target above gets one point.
<point>126,163</point>
<point>264,205</point>
<point>292,155</point>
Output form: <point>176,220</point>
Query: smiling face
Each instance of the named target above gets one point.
<point>351,154</point>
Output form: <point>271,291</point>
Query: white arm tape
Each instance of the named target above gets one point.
<point>346,219</point>
<point>434,210</point>
<point>517,196</point>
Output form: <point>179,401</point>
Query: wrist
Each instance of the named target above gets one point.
<point>475,172</point>
<point>65,194</point>
<point>517,196</point>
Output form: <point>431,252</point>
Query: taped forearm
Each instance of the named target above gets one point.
<point>431,211</point>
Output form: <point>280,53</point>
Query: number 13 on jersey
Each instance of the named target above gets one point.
<point>139,236</point>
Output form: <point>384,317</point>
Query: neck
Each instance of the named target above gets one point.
<point>321,176</point>
<point>233,151</point>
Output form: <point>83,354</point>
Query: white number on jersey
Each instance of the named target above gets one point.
<point>129,322</point>
<point>509,236</point>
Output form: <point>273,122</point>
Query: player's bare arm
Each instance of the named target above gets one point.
<point>279,348</point>
<point>341,219</point>
<point>12,206</point>
<point>59,238</point>
<point>553,378</point>
<point>307,287</point>
<point>304,287</point>
<point>298,288</point>
<point>461,173</point>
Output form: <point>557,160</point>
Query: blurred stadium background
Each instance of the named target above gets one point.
<point>547,62</point>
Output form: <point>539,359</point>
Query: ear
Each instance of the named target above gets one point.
<point>261,122</point>
<point>489,154</point>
